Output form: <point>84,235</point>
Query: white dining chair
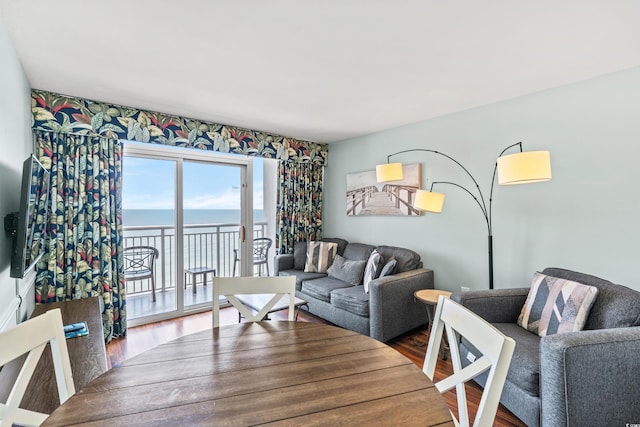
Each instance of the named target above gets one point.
<point>234,287</point>
<point>31,338</point>
<point>496,351</point>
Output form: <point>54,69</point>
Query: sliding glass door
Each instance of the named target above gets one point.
<point>212,215</point>
<point>193,208</point>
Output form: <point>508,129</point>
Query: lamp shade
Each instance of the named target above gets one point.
<point>524,168</point>
<point>389,172</point>
<point>428,201</point>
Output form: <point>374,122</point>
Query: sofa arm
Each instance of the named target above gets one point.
<point>494,305</point>
<point>590,378</point>
<point>392,308</point>
<point>282,262</point>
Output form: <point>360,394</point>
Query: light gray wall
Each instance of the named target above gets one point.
<point>586,218</point>
<point>15,146</point>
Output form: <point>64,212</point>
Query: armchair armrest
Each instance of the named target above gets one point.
<point>282,262</point>
<point>494,305</point>
<point>392,308</point>
<point>579,369</point>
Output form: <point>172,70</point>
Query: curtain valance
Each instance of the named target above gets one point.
<point>60,113</point>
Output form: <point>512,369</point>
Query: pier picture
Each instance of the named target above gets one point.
<point>365,196</point>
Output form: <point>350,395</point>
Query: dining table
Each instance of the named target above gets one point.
<point>262,373</point>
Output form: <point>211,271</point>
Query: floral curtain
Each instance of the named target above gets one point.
<point>82,256</point>
<point>299,204</point>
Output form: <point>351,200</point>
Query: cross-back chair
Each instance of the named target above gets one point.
<point>496,348</point>
<point>276,287</point>
<point>139,264</point>
<point>261,247</point>
<point>30,338</point>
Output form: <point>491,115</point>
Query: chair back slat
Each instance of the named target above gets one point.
<point>496,348</point>
<point>139,259</point>
<point>31,338</point>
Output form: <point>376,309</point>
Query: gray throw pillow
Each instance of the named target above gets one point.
<point>389,267</point>
<point>299,255</point>
<point>347,270</point>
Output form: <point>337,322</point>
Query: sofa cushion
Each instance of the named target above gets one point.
<point>320,256</point>
<point>407,259</point>
<point>556,306</point>
<point>389,267</point>
<point>347,270</point>
<point>353,299</point>
<point>358,251</point>
<point>321,288</point>
<point>373,268</point>
<point>301,276</point>
<point>524,370</point>
<point>616,306</point>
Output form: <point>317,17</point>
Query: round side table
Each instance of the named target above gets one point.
<point>430,298</point>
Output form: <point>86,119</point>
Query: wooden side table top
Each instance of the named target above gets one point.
<point>275,373</point>
<point>430,296</point>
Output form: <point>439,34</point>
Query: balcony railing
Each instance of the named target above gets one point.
<point>210,245</point>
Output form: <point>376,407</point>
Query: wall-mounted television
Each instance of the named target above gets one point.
<point>28,227</point>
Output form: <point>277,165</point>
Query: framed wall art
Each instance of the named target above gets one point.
<point>365,196</point>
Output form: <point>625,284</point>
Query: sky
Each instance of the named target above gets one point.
<point>150,184</point>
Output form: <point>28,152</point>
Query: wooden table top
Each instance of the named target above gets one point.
<point>275,373</point>
<point>430,296</point>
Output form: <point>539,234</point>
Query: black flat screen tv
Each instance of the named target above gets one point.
<point>28,228</point>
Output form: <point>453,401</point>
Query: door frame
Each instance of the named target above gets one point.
<point>179,155</point>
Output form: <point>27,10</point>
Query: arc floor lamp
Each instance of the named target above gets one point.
<point>524,167</point>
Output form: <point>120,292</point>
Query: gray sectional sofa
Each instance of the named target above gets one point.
<point>585,378</point>
<point>386,311</point>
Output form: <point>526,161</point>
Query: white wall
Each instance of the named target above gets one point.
<point>15,146</point>
<point>586,218</point>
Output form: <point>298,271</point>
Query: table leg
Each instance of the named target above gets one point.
<point>444,347</point>
<point>426,335</point>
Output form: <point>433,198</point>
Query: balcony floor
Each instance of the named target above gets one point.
<point>141,304</point>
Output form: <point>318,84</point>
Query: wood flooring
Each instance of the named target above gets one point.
<point>144,337</point>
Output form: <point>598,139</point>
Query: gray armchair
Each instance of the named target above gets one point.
<point>586,378</point>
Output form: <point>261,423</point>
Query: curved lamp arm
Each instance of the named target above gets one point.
<point>485,214</point>
<point>493,179</point>
<point>481,202</point>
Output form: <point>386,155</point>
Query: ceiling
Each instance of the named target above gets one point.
<point>323,70</point>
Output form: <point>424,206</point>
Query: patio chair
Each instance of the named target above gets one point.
<point>140,264</point>
<point>496,349</point>
<point>31,338</point>
<point>261,247</point>
<point>233,288</point>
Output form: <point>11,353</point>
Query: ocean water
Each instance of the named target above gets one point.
<point>138,217</point>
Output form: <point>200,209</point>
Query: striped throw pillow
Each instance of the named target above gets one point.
<point>320,256</point>
<point>556,306</point>
<point>372,270</point>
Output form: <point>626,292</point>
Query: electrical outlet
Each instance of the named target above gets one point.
<point>464,288</point>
